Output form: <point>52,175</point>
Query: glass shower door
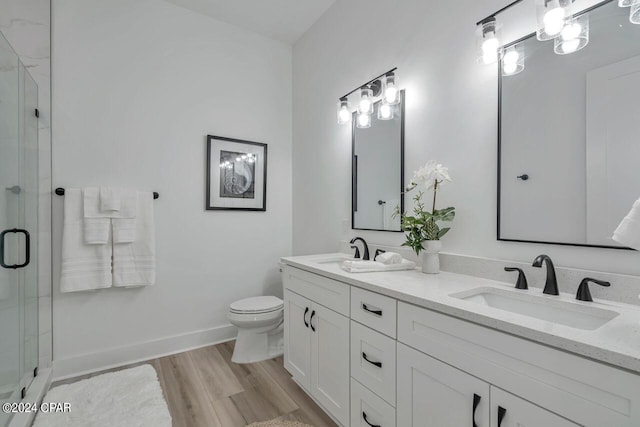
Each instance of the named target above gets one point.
<point>18,228</point>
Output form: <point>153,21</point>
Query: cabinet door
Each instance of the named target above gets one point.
<point>297,338</point>
<point>508,410</point>
<point>330,361</point>
<point>433,394</point>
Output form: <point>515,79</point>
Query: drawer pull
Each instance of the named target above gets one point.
<point>364,417</point>
<point>501,413</point>
<point>378,364</point>
<point>376,312</point>
<point>313,313</point>
<point>304,317</point>
<point>476,402</point>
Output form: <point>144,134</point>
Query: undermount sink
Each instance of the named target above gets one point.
<point>539,307</point>
<point>334,260</point>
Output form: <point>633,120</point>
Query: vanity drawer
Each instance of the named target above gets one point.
<point>374,310</point>
<point>366,404</point>
<point>330,293</point>
<point>373,361</point>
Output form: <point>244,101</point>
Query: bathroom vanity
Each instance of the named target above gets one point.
<point>409,349</point>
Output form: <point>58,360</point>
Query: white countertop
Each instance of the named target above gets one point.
<point>616,343</point>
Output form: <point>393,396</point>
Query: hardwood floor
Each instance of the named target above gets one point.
<point>204,388</point>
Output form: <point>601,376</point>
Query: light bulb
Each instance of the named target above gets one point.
<point>511,57</point>
<point>571,32</point>
<point>385,112</point>
<point>570,46</point>
<point>365,104</point>
<point>510,67</point>
<point>390,94</point>
<point>364,120</point>
<point>490,50</point>
<point>554,21</point>
<point>344,115</point>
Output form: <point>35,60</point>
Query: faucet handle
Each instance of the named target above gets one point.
<point>378,252</point>
<point>584,294</point>
<point>522,279</point>
<point>357,254</point>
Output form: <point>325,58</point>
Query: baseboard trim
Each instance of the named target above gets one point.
<point>139,352</point>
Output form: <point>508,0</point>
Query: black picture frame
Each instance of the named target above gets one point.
<point>253,189</point>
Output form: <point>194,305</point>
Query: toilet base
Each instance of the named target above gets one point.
<point>255,346</point>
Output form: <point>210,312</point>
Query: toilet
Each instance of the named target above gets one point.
<point>260,328</point>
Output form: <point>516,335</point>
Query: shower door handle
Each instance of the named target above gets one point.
<point>27,248</point>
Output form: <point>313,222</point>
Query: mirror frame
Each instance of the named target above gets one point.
<point>500,77</point>
<point>354,167</point>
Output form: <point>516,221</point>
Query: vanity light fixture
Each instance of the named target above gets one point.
<point>344,115</point>
<point>365,106</point>
<point>488,40</point>
<point>512,61</point>
<point>574,36</point>
<point>552,15</point>
<point>390,92</point>
<point>363,120</point>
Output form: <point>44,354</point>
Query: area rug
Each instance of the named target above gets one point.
<point>276,423</point>
<point>127,398</point>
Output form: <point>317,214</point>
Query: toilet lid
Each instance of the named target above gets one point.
<point>257,305</point>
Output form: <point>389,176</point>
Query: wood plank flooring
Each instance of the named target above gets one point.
<point>204,388</point>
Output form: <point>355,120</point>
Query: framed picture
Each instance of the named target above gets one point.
<point>236,174</point>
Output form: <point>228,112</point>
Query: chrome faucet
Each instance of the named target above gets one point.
<point>365,248</point>
<point>551,285</point>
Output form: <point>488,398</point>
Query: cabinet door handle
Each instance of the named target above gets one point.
<point>476,402</point>
<point>304,317</point>
<point>376,312</point>
<point>313,313</point>
<point>27,248</point>
<point>364,417</point>
<point>378,364</point>
<point>501,413</point>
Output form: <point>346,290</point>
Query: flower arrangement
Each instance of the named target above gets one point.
<point>423,225</point>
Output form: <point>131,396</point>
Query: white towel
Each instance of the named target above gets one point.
<point>374,266</point>
<point>389,258</point>
<point>84,267</point>
<point>134,264</point>
<point>628,232</point>
<point>110,199</point>
<point>98,220</point>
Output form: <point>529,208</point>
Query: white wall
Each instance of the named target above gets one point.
<point>137,87</point>
<point>451,116</point>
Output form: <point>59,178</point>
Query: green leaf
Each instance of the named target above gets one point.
<point>442,232</point>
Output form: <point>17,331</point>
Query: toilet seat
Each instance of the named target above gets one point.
<point>257,305</point>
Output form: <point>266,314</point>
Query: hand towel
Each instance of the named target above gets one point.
<point>84,267</point>
<point>134,264</point>
<point>128,204</point>
<point>389,258</point>
<point>109,199</point>
<point>628,232</point>
<point>375,266</point>
<point>96,229</point>
<point>98,221</point>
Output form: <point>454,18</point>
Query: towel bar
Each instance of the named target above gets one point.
<point>60,192</point>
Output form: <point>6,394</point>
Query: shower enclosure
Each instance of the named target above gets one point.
<point>18,228</point>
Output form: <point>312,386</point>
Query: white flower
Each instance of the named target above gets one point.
<point>429,174</point>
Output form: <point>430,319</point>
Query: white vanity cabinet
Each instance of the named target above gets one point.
<point>317,343</point>
<point>370,359</point>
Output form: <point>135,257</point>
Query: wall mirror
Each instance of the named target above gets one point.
<point>569,147</point>
<point>378,171</point>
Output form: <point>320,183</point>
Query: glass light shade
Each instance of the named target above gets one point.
<point>574,36</point>
<point>635,13</point>
<point>626,3</point>
<point>552,15</point>
<point>390,91</point>
<point>385,111</point>
<point>488,42</point>
<point>344,115</point>
<point>365,105</point>
<point>512,61</point>
<point>363,120</point>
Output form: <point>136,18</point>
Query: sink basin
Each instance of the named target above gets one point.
<point>539,307</point>
<point>334,260</point>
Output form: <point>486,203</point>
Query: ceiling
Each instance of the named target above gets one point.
<point>282,20</point>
